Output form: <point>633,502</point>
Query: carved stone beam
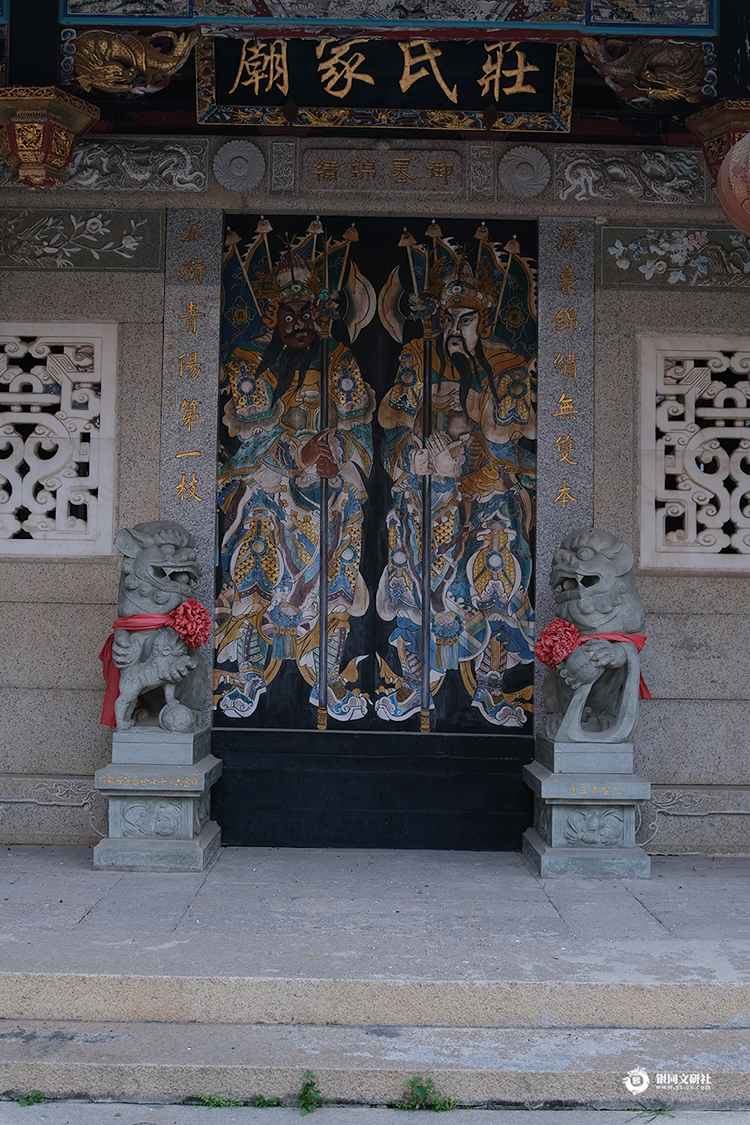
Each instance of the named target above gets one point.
<point>39,126</point>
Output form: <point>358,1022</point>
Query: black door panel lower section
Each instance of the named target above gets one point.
<point>336,789</point>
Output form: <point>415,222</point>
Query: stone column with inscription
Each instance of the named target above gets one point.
<point>159,781</point>
<point>565,422</point>
<point>585,792</point>
<point>190,381</point>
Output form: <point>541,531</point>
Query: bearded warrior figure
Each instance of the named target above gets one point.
<point>270,489</point>
<point>472,431</point>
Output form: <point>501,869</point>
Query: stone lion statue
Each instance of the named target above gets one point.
<point>162,678</point>
<point>592,693</point>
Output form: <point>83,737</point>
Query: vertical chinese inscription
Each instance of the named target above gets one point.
<point>191,350</point>
<point>566,396</point>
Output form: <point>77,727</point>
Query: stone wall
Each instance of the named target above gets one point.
<point>55,611</point>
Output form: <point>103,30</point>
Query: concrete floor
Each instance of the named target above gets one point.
<point>405,959</point>
<point>477,899</point>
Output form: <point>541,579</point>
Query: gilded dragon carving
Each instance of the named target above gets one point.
<point>131,63</point>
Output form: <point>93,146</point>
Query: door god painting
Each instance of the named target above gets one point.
<point>461,412</point>
<point>302,410</point>
<point>375,385</point>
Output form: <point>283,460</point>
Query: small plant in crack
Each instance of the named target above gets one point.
<point>309,1097</point>
<point>421,1093</point>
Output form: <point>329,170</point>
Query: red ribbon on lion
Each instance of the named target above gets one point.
<point>558,639</point>
<point>191,621</point>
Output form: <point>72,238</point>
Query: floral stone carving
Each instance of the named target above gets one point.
<point>239,166</point>
<point>524,171</point>
<point>153,670</point>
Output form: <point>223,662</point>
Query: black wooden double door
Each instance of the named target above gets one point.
<point>373,666</point>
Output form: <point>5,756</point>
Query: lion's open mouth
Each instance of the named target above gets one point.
<point>182,575</point>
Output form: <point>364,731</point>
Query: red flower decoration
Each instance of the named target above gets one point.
<point>556,642</point>
<point>192,622</point>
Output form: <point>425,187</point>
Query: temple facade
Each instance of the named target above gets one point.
<point>309,289</point>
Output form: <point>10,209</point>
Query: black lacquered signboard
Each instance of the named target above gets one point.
<point>386,83</point>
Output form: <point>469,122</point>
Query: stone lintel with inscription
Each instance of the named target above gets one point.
<point>602,788</point>
<point>156,779</point>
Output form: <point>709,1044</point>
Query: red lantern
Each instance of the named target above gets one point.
<point>39,126</point>
<point>733,185</point>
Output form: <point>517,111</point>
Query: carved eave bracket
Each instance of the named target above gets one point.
<point>39,127</point>
<point>718,129</point>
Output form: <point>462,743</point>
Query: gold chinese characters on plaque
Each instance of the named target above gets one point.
<point>413,83</point>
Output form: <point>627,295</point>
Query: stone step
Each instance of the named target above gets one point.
<point>141,1062</point>
<point>565,1001</point>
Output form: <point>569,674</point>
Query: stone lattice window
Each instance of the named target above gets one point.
<point>57,447</point>
<point>695,452</point>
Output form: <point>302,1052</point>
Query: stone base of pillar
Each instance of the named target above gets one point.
<point>626,863</point>
<point>585,823</point>
<point>158,786</point>
<point>160,855</point>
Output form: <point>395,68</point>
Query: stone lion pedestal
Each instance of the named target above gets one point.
<point>158,785</point>
<point>159,780</point>
<point>585,792</point>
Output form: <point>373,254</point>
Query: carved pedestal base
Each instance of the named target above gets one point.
<point>158,787</point>
<point>584,823</point>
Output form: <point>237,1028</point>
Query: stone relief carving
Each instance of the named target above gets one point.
<point>684,803</point>
<point>142,165</point>
<point>524,171</point>
<point>59,792</point>
<point>61,239</point>
<point>57,397</point>
<point>151,818</point>
<point>646,257</point>
<point>695,483</point>
<point>283,159</point>
<point>162,678</point>
<point>651,175</point>
<point>132,63</point>
<point>594,828</point>
<point>480,169</point>
<point>239,166</point>
<point>592,696</point>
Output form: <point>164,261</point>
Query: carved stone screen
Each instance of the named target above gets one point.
<point>413,728</point>
<point>695,452</point>
<point>57,438</point>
